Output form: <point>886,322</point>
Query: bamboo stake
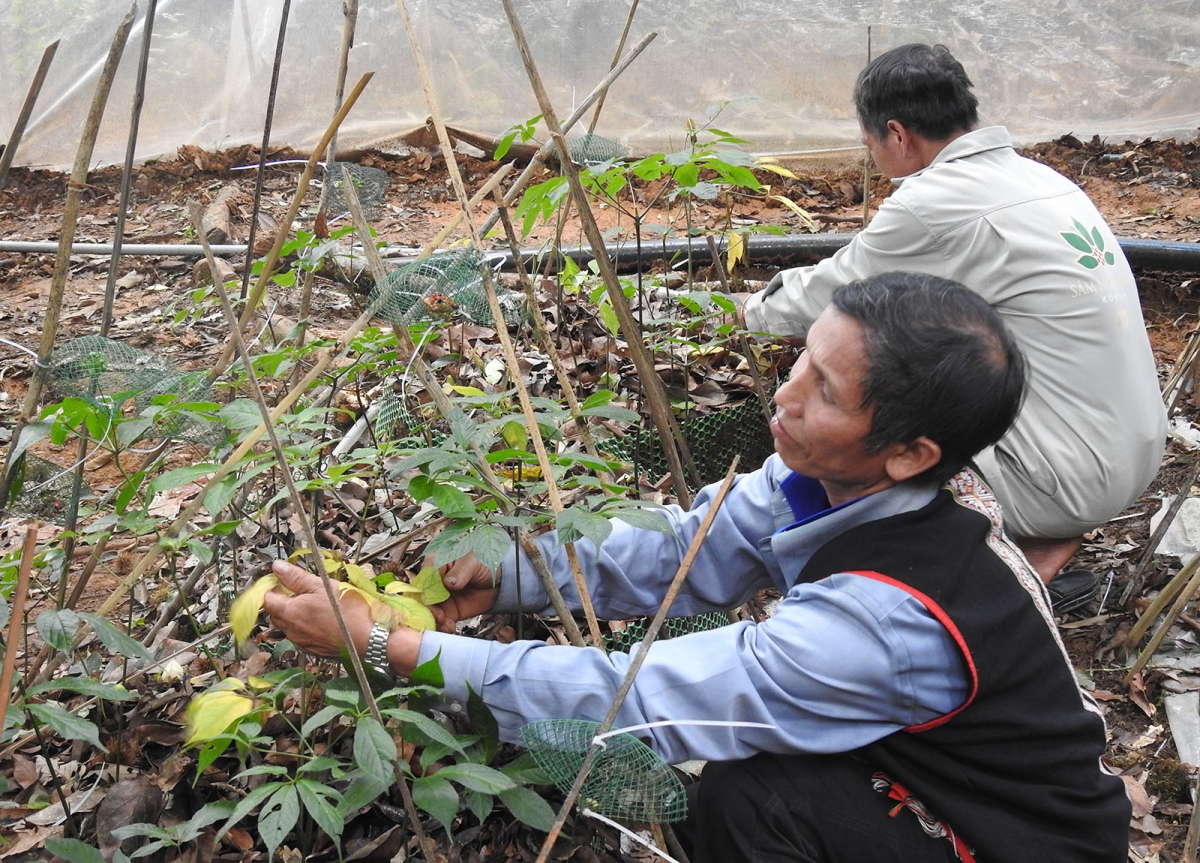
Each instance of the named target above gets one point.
<point>639,658</point>
<point>616,59</point>
<point>1190,574</point>
<point>58,284</point>
<point>501,328</point>
<point>656,396</point>
<point>18,130</point>
<point>446,409</point>
<point>273,256</point>
<point>1139,574</point>
<point>16,621</point>
<point>262,152</point>
<point>539,158</point>
<point>743,341</point>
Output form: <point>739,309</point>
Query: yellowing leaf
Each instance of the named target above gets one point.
<point>737,251</point>
<point>259,684</point>
<point>514,434</point>
<point>767,163</point>
<point>399,586</point>
<point>393,611</point>
<point>245,608</point>
<point>465,391</point>
<point>429,582</point>
<point>212,712</point>
<point>360,578</point>
<point>795,208</point>
<point>527,472</point>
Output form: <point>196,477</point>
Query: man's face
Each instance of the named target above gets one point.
<point>886,154</point>
<point>820,423</point>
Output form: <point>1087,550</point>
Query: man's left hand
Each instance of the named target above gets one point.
<point>309,620</point>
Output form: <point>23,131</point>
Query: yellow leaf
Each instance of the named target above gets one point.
<point>429,582</point>
<point>465,391</point>
<point>399,586</point>
<point>514,434</point>
<point>767,163</point>
<point>526,473</point>
<point>212,712</point>
<point>737,251</point>
<point>360,578</point>
<point>803,214</point>
<point>393,611</point>
<point>244,611</point>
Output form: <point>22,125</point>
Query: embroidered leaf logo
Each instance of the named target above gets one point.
<point>1091,243</point>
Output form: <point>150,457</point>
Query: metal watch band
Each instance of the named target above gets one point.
<point>376,656</point>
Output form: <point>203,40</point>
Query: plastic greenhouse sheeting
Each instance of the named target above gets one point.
<point>1108,67</point>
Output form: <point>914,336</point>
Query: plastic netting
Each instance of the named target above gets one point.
<point>107,373</point>
<point>713,439</point>
<point>369,183</point>
<point>437,287</point>
<point>673,627</point>
<point>628,781</point>
<point>592,149</point>
<point>42,489</point>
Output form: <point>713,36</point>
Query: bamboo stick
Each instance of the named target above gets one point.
<point>16,623</point>
<point>616,59</point>
<point>18,130</point>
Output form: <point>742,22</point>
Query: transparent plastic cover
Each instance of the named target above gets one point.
<point>1107,67</point>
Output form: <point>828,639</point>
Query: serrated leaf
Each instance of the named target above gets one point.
<point>575,522</point>
<point>83,686</point>
<point>278,817</point>
<point>361,792</point>
<point>392,610</point>
<point>528,807</point>
<point>600,397</point>
<point>374,749</point>
<point>243,612</point>
<point>483,723</point>
<point>247,805</point>
<point>211,713</point>
<point>437,797</point>
<point>426,726</point>
<point>644,519</point>
<point>58,627</point>
<point>219,495</point>
<point>490,544</point>
<point>114,638</point>
<point>65,724</point>
<point>240,414</point>
<point>315,797</point>
<point>453,502</point>
<point>514,434</point>
<point>524,771</point>
<point>328,713</point>
<point>481,805</point>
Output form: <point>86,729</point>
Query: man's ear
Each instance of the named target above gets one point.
<point>902,134</point>
<point>913,459</point>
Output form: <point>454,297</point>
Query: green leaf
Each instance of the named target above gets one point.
<point>248,804</point>
<point>524,771</point>
<point>83,686</point>
<point>514,434</point>
<point>58,628</point>
<point>374,749</point>
<point>477,777</point>
<point>1083,232</point>
<point>644,519</point>
<point>278,817</point>
<point>130,430</point>
<point>1098,239</point>
<point>429,673</point>
<point>490,544</point>
<point>211,751</point>
<point>181,476</point>
<point>315,797</point>
<point>529,808</point>
<point>128,489</point>
<point>240,414</point>
<point>31,434</point>
<point>1089,262</point>
<point>483,723</point>
<point>427,728</point>
<point>361,792</point>
<point>1076,241</point>
<point>65,724</point>
<point>481,805</point>
<point>687,174</point>
<point>608,317</point>
<point>453,502</point>
<point>420,487</point>
<point>114,639</point>
<point>437,797</point>
<point>74,850</point>
<point>576,522</point>
<point>218,495</point>
<point>598,398</point>
<point>1108,258</point>
<point>328,713</point>
<point>429,583</point>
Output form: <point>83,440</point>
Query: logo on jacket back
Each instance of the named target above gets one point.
<point>1091,244</point>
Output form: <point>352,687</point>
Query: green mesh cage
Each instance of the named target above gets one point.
<point>591,149</point>
<point>627,782</point>
<point>369,184</point>
<point>107,373</point>
<point>713,439</point>
<point>437,288</point>
<point>673,627</point>
<point>42,489</point>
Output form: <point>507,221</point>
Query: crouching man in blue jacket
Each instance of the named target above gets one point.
<point>920,705</point>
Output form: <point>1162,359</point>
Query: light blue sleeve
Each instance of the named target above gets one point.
<point>843,662</point>
<point>629,574</point>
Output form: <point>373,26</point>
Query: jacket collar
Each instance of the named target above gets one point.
<point>970,144</point>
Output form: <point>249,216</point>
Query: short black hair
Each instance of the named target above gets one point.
<point>921,86</point>
<point>941,364</point>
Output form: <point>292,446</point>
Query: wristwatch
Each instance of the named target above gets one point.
<point>376,658</point>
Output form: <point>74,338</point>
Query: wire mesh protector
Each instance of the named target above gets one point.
<point>43,489</point>
<point>107,373</point>
<point>369,183</point>
<point>673,627</point>
<point>628,781</point>
<point>591,149</point>
<point>437,287</point>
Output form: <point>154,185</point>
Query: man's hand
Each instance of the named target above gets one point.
<point>307,618</point>
<point>739,300</point>
<point>472,591</point>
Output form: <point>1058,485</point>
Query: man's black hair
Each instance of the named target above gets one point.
<point>941,364</point>
<point>921,86</point>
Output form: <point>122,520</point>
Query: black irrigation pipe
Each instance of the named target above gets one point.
<point>806,249</point>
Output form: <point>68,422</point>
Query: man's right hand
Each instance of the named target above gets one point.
<point>473,590</point>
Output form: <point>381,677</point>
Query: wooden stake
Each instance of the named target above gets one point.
<point>16,623</point>
<point>18,131</point>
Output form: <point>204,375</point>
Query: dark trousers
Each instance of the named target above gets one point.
<point>803,809</point>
